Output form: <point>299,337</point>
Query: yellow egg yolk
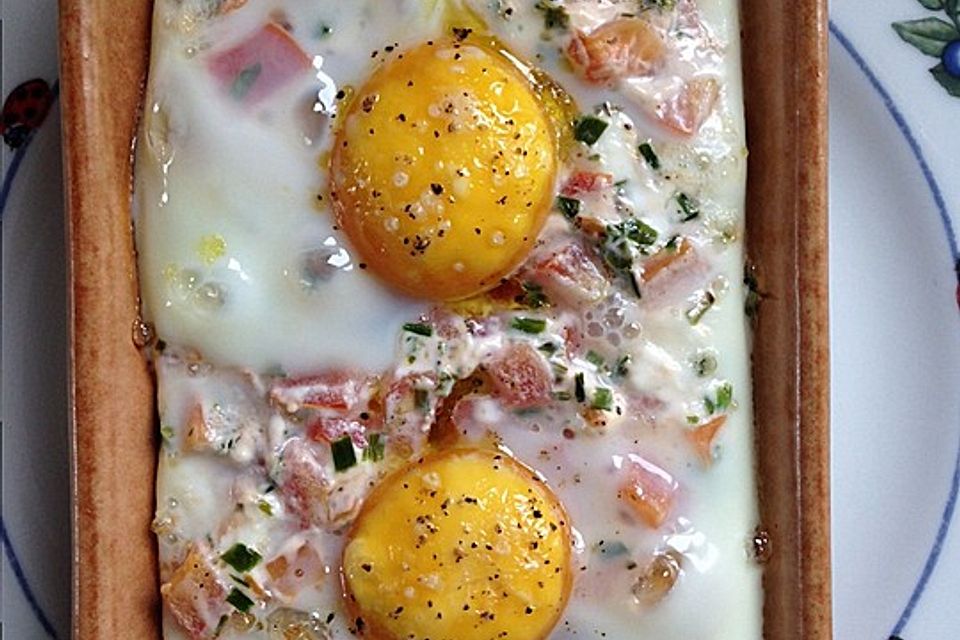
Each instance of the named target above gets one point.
<point>443,169</point>
<point>464,545</point>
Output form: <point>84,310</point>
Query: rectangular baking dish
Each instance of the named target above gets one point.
<point>104,54</point>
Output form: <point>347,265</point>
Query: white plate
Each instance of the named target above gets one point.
<point>896,339</point>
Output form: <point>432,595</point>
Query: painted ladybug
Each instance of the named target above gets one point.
<point>24,111</point>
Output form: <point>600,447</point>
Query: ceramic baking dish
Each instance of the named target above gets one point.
<point>104,50</point>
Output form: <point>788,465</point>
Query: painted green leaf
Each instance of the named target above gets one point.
<point>933,5</point>
<point>949,82</point>
<point>929,35</point>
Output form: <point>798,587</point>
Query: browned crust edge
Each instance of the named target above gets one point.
<point>103,57</point>
<point>785,58</point>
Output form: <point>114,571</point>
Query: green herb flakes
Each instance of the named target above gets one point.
<point>689,208</point>
<point>554,17</point>
<point>703,303</point>
<point>602,399</point>
<point>724,396</point>
<point>240,601</point>
<point>344,456</point>
<point>375,448</point>
<point>418,328</point>
<point>588,129</point>
<point>595,359</point>
<point>569,207</point>
<point>529,325</point>
<point>579,387</point>
<point>241,557</point>
<point>265,507</point>
<point>533,296</point>
<point>651,157</point>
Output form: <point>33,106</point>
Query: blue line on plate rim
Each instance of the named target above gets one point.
<point>22,581</point>
<point>8,550</point>
<point>901,122</point>
<point>19,154</point>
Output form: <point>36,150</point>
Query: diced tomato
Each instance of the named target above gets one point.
<point>582,182</point>
<point>199,432</point>
<point>260,65</point>
<point>231,5</point>
<point>665,258</point>
<point>648,490</point>
<point>336,390</point>
<point>685,111</point>
<point>703,438</point>
<point>330,429</point>
<point>292,573</point>
<point>622,48</point>
<point>570,276</point>
<point>196,595</point>
<point>521,377</point>
<point>304,483</point>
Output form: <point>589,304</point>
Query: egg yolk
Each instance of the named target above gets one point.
<point>464,545</point>
<point>443,170</point>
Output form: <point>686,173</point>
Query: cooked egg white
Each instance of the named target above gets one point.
<point>271,237</point>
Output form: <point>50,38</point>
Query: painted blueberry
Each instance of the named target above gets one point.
<point>951,58</point>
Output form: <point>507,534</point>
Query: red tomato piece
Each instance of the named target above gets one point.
<point>521,377</point>
<point>570,276</point>
<point>196,595</point>
<point>586,182</point>
<point>336,390</point>
<point>622,48</point>
<point>686,111</point>
<point>260,65</point>
<point>331,429</point>
<point>304,483</point>
<point>648,490</point>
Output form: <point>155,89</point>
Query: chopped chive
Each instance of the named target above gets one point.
<point>612,549</point>
<point>374,450</point>
<point>559,370</point>
<point>563,396</point>
<point>705,300</point>
<point>548,348</point>
<point>533,296</point>
<point>646,150</point>
<point>529,325</point>
<point>693,420</point>
<point>265,507</point>
<point>421,399</point>
<point>241,557</point>
<point>418,328</point>
<point>710,405</point>
<point>167,432</point>
<point>554,17</point>
<point>635,285</point>
<point>569,207</point>
<point>579,390</point>
<point>240,601</point>
<point>724,396</point>
<point>595,359</point>
<point>244,81</point>
<point>622,367</point>
<point>673,244</point>
<point>602,399</point>
<point>588,129</point>
<point>688,207</point>
<point>323,30</point>
<point>344,456</point>
<point>705,365</point>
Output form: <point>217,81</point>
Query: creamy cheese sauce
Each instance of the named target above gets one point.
<point>296,378</point>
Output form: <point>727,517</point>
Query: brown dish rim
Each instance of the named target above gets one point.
<point>104,54</point>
